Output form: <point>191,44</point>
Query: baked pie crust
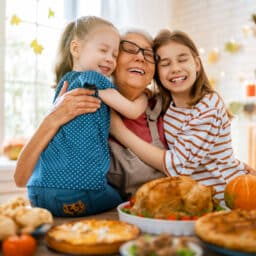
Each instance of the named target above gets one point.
<point>235,230</point>
<point>91,236</point>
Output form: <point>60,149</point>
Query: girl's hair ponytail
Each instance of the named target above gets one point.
<point>64,62</point>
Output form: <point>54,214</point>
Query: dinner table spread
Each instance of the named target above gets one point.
<point>43,250</point>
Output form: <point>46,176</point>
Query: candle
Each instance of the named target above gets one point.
<point>251,90</point>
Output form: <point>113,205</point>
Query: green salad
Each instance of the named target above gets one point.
<point>162,245</point>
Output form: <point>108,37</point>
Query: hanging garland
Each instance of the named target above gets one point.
<point>38,48</point>
<point>230,46</point>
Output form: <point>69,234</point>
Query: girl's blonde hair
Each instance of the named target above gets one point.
<point>79,29</point>
<point>201,86</point>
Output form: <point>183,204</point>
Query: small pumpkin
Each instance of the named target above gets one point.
<point>241,192</point>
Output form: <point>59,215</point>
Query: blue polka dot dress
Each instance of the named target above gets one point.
<point>78,156</point>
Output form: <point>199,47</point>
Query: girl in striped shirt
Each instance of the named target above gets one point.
<point>196,121</point>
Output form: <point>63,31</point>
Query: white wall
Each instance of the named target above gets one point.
<point>150,15</point>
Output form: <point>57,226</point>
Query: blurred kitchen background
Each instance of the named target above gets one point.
<point>225,32</point>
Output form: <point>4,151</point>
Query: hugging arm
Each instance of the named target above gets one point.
<point>67,106</point>
<point>126,107</point>
<point>148,153</point>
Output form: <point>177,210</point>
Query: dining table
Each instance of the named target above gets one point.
<point>44,250</point>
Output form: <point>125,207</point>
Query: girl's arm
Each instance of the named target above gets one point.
<point>148,153</point>
<point>127,108</point>
<point>68,106</point>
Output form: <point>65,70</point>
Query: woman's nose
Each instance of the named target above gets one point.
<point>140,56</point>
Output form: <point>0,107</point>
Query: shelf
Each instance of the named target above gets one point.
<point>6,164</point>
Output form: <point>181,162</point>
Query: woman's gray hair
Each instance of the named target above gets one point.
<point>125,31</point>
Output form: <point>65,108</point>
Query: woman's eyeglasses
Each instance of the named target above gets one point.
<point>133,48</point>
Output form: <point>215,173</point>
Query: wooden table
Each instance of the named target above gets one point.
<point>43,250</point>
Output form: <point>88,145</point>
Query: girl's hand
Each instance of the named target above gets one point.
<point>71,104</point>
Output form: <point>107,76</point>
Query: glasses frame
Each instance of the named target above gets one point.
<point>139,49</point>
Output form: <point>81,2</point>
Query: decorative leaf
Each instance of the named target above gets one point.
<point>51,13</point>
<point>36,47</point>
<point>235,107</point>
<point>213,56</point>
<point>15,20</point>
<point>232,46</point>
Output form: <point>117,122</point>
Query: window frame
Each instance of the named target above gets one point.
<point>2,65</point>
<point>72,8</point>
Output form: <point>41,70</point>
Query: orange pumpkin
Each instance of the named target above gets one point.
<point>241,192</point>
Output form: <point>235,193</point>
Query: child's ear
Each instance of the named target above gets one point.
<point>74,48</point>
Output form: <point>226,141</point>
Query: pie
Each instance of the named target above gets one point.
<point>91,236</point>
<point>235,230</point>
<point>163,197</point>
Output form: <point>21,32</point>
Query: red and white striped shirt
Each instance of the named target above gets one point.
<point>199,140</point>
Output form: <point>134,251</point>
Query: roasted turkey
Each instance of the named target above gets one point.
<point>163,197</point>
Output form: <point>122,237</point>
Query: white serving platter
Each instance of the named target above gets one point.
<point>157,226</point>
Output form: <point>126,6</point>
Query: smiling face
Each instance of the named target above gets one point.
<point>177,70</point>
<point>133,74</point>
<point>98,51</point>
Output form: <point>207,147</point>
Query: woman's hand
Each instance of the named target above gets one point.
<point>71,104</point>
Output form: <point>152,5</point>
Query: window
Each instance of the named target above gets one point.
<point>29,34</point>
<point>27,66</point>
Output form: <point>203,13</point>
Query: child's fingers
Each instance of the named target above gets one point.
<point>64,88</point>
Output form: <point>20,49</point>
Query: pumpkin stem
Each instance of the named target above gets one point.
<point>229,200</point>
